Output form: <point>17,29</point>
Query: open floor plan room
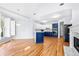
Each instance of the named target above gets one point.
<point>39,29</point>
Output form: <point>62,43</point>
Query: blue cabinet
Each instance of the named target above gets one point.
<point>55,25</point>
<point>66,37</point>
<point>55,29</point>
<point>51,34</point>
<point>48,33</point>
<point>66,33</point>
<point>54,32</point>
<point>39,37</point>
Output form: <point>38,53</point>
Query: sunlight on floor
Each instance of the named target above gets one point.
<point>26,48</point>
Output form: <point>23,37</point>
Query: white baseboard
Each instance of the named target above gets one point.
<point>5,39</point>
<point>23,38</point>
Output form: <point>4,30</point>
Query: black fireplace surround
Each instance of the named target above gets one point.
<point>76,43</point>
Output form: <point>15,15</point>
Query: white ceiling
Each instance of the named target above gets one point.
<point>43,11</point>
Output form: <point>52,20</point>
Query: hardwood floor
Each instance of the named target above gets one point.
<point>51,47</point>
<point>66,43</point>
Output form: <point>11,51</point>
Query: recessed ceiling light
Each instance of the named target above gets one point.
<point>61,4</point>
<point>56,16</point>
<point>34,13</point>
<point>44,21</point>
<point>18,9</point>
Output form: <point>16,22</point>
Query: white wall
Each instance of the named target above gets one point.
<point>48,26</point>
<point>25,29</point>
<point>38,26</point>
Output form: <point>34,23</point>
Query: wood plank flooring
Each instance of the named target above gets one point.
<point>51,47</point>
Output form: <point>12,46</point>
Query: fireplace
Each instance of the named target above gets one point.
<point>76,43</point>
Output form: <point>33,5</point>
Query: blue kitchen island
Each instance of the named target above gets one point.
<point>39,36</point>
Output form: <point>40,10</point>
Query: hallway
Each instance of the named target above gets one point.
<point>51,47</point>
